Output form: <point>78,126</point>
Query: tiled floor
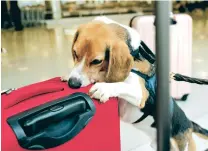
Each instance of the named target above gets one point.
<point>36,54</point>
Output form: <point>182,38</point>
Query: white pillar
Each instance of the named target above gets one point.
<point>56,9</point>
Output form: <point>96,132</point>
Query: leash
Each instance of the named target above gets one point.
<point>180,77</point>
<point>144,52</point>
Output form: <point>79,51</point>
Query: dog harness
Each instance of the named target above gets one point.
<point>143,52</point>
<point>150,84</point>
<point>150,105</point>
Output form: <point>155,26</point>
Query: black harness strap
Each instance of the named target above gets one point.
<point>150,56</point>
<point>143,52</point>
<point>141,118</point>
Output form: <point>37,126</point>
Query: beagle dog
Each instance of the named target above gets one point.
<point>101,52</point>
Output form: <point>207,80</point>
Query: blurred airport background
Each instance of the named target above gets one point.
<point>37,34</point>
<point>38,12</point>
<point>36,38</point>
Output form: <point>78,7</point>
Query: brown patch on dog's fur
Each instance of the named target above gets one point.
<point>174,145</point>
<point>120,62</point>
<point>119,31</point>
<point>184,139</point>
<point>143,66</point>
<point>192,144</point>
<point>145,93</point>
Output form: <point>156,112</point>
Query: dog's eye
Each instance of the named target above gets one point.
<point>96,62</point>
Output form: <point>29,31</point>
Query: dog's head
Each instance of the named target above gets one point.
<point>99,54</point>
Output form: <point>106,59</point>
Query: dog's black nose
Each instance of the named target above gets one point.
<point>74,83</point>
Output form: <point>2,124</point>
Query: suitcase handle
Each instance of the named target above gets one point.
<point>56,113</point>
<point>53,123</point>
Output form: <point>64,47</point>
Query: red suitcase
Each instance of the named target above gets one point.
<point>180,49</point>
<point>102,133</point>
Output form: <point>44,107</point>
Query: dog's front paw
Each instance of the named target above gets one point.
<point>102,91</point>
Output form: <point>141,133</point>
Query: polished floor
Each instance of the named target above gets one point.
<point>33,55</point>
<point>36,54</point>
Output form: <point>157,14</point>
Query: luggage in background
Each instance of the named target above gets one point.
<point>180,47</point>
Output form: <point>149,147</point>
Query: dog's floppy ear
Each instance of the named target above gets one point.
<point>120,62</point>
<point>73,42</point>
<point>75,37</point>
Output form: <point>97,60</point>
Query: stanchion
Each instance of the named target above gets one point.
<point>162,62</point>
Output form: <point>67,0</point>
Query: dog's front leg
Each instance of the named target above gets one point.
<point>129,90</point>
